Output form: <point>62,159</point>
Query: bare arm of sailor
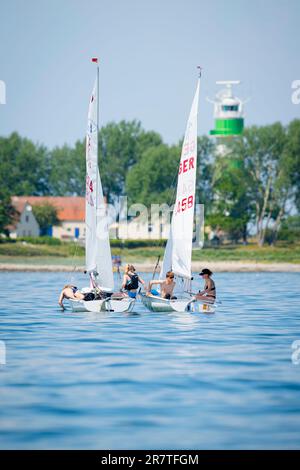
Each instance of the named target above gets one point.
<point>151,283</point>
<point>125,279</point>
<point>60,300</point>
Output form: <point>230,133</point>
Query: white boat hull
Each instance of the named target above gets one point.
<point>103,305</point>
<point>158,304</point>
<point>202,307</point>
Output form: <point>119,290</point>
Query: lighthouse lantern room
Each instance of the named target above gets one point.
<point>228,111</point>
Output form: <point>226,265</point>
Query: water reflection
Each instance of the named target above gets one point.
<point>184,321</point>
<point>145,379</point>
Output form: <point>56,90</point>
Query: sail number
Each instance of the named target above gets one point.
<point>188,147</point>
<point>185,203</point>
<point>89,185</point>
<point>186,165</point>
<point>89,189</point>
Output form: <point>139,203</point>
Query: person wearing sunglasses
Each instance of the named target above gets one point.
<point>166,287</point>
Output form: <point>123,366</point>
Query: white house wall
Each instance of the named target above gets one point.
<point>139,230</point>
<point>66,230</point>
<point>27,225</point>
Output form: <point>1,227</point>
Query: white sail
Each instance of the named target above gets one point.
<point>97,247</point>
<point>178,252</point>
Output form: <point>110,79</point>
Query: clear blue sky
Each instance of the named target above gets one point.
<point>149,51</point>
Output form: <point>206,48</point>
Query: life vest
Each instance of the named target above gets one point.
<point>133,283</point>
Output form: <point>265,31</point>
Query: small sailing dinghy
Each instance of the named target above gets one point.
<point>97,246</point>
<point>178,251</point>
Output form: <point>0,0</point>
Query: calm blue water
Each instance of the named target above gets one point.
<point>150,380</point>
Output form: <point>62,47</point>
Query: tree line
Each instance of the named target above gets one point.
<point>256,183</point>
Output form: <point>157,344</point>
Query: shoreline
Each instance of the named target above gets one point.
<point>218,266</point>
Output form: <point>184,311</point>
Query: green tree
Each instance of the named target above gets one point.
<point>231,209</point>
<point>67,170</point>
<point>292,157</point>
<point>290,229</point>
<point>46,216</point>
<point>262,149</point>
<point>153,179</point>
<point>121,146</point>
<point>205,170</point>
<point>7,212</point>
<point>23,166</point>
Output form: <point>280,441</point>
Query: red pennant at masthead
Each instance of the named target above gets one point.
<point>95,59</point>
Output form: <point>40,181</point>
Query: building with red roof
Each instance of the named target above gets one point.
<point>70,212</point>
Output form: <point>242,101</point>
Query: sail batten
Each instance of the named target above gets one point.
<point>178,251</point>
<point>97,246</point>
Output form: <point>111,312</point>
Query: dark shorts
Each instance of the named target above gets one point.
<point>89,296</point>
<point>169,297</point>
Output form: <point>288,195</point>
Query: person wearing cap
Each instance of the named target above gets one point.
<point>166,287</point>
<point>209,291</point>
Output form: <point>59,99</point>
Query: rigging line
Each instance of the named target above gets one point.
<point>154,271</point>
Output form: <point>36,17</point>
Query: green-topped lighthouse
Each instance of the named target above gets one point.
<point>228,114</point>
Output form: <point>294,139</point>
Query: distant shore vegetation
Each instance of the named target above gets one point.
<point>253,190</point>
<point>55,251</point>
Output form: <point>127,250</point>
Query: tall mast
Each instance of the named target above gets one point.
<point>97,140</point>
<point>96,61</point>
<point>97,100</point>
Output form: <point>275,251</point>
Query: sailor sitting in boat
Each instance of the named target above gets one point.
<point>131,281</point>
<point>72,292</point>
<point>166,287</point>
<point>209,292</point>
